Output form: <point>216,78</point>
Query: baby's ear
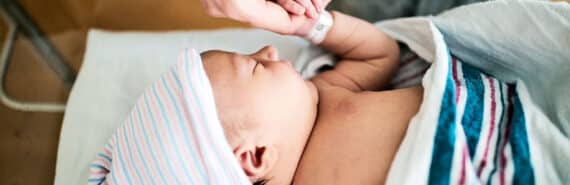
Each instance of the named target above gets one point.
<point>256,161</point>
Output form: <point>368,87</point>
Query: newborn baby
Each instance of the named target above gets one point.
<point>268,111</point>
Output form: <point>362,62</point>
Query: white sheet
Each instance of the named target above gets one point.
<point>118,66</point>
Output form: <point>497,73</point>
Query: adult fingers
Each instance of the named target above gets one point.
<point>325,3</point>
<point>310,10</point>
<point>292,6</point>
<point>318,5</point>
<point>211,8</point>
<point>273,17</point>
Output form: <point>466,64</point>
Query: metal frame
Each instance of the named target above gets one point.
<point>19,21</point>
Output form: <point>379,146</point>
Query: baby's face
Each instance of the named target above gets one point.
<point>268,93</point>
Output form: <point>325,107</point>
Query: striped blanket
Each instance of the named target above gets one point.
<point>477,124</point>
<point>172,136</point>
<point>480,134</point>
<point>471,127</point>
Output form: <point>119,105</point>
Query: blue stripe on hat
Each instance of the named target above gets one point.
<point>129,153</point>
<point>147,141</point>
<point>105,157</point>
<point>187,140</point>
<point>155,129</point>
<point>166,120</point>
<point>138,148</point>
<point>121,162</point>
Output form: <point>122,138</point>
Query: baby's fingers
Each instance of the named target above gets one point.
<point>292,6</point>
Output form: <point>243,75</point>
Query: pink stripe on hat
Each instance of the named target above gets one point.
<point>172,135</point>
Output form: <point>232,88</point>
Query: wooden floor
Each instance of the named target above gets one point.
<point>28,141</point>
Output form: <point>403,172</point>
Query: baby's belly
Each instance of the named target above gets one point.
<point>354,141</point>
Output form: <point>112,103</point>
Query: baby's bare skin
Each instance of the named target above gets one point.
<point>359,127</point>
<point>356,135</point>
<point>355,124</point>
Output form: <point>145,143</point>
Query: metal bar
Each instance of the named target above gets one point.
<point>4,62</point>
<point>25,24</point>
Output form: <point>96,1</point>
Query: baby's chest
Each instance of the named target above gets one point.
<point>353,139</point>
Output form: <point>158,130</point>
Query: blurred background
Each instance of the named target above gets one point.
<point>28,140</point>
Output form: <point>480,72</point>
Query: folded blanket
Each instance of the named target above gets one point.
<point>172,135</point>
<point>500,116</point>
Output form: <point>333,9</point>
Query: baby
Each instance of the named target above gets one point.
<point>268,111</point>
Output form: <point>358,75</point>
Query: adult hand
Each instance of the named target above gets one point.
<point>283,16</point>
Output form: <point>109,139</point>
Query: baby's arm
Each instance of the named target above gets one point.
<point>369,56</point>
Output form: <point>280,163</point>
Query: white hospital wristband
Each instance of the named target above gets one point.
<point>319,31</point>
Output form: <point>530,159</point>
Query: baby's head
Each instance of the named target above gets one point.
<point>266,108</point>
